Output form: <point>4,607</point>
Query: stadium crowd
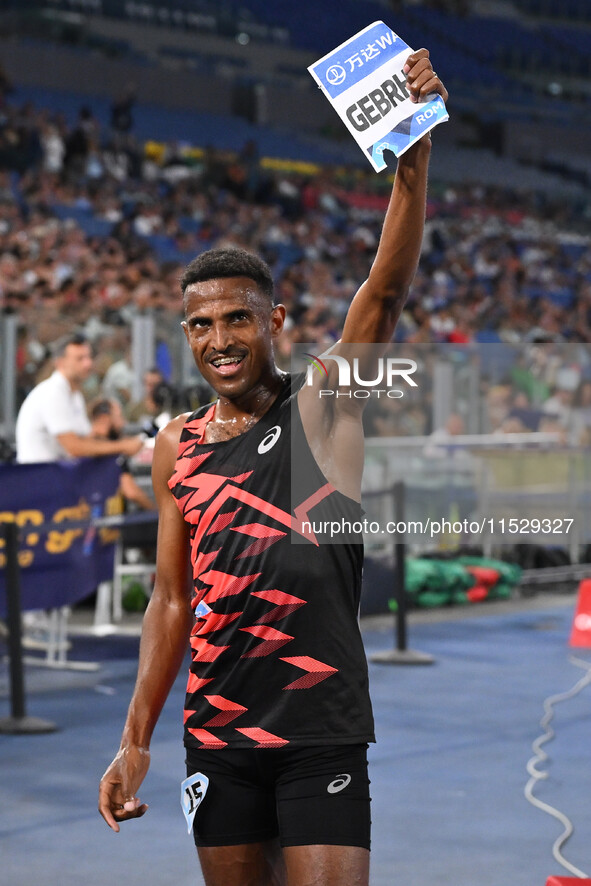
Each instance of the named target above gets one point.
<point>95,228</point>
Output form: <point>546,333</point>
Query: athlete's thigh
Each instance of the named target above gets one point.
<point>323,798</point>
<point>326,865</point>
<point>249,864</point>
<point>237,806</point>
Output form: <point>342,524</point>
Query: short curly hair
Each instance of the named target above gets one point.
<point>228,262</point>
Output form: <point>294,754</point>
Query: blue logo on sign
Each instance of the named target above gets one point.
<point>335,75</point>
<point>357,58</point>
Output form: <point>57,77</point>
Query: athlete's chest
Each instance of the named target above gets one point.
<point>246,471</point>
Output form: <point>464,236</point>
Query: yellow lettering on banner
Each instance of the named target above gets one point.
<point>21,518</point>
<point>81,511</point>
<point>113,506</point>
<point>5,517</point>
<point>58,542</point>
<point>30,539</point>
<point>30,516</point>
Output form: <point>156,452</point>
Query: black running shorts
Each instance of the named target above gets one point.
<point>304,796</point>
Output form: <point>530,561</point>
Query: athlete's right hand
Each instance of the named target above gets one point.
<point>117,790</point>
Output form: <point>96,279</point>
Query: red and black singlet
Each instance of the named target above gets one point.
<point>277,655</point>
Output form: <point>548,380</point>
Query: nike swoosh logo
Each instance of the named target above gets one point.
<point>339,783</point>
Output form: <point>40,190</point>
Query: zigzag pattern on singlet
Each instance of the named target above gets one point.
<point>212,504</point>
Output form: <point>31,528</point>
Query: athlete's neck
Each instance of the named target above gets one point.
<point>234,416</point>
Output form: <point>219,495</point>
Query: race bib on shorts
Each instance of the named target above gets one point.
<point>193,790</point>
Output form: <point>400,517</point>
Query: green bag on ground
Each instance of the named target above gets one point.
<point>430,599</point>
<point>501,591</point>
<point>419,575</point>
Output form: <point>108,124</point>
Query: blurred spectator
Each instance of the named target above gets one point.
<point>521,409</point>
<point>560,409</point>
<point>107,423</point>
<point>78,143</point>
<point>146,410</point>
<point>54,148</point>
<point>582,413</point>
<point>551,425</point>
<point>52,423</point>
<point>166,402</point>
<point>119,379</point>
<point>498,404</point>
<point>512,425</point>
<point>438,442</point>
<point>122,111</point>
<point>5,84</point>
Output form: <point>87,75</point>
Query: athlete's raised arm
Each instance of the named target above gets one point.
<point>332,423</point>
<point>375,310</point>
<point>165,632</point>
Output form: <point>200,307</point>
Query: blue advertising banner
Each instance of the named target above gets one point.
<point>59,565</point>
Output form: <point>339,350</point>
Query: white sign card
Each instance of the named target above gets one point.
<point>364,81</point>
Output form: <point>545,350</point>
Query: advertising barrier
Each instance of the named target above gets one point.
<point>61,559</point>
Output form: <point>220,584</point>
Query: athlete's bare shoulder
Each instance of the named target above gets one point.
<point>171,432</point>
<point>166,450</point>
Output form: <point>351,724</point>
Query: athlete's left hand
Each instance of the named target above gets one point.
<point>421,78</point>
<point>119,784</point>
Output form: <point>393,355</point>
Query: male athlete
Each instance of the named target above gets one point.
<point>277,713</point>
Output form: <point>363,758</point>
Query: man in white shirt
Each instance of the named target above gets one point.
<point>52,423</point>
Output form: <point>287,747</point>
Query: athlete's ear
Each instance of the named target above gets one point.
<point>277,320</point>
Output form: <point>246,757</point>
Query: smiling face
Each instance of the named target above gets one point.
<point>230,326</point>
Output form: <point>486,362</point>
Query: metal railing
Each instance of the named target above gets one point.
<point>487,491</point>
